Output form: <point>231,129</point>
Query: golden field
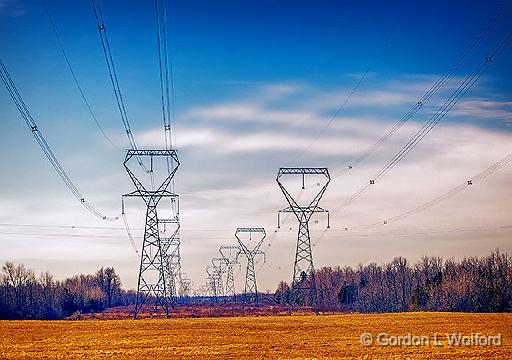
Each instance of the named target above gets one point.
<point>296,337</point>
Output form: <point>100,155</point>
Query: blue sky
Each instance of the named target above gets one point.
<point>222,48</point>
<point>255,81</point>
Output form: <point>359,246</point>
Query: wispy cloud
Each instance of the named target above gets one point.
<point>231,152</point>
<point>247,112</point>
<point>485,109</point>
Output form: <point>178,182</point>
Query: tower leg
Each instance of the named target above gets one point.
<point>303,289</point>
<point>230,283</point>
<point>251,290</point>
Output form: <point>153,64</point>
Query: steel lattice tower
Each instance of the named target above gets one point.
<point>303,282</point>
<point>212,281</point>
<point>220,268</point>
<point>152,272</point>
<point>172,256</point>
<point>202,291</point>
<point>205,290</point>
<point>230,255</point>
<point>185,286</point>
<point>250,252</point>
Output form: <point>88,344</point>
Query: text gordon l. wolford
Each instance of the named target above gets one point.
<point>454,339</point>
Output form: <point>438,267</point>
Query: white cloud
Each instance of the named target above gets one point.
<point>230,159</point>
<point>451,154</point>
<point>222,142</point>
<point>487,109</point>
<point>247,112</point>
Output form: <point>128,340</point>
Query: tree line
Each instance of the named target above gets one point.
<point>26,295</point>
<point>432,284</point>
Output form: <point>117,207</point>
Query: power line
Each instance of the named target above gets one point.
<point>353,233</point>
<point>59,235</point>
<point>75,78</point>
<point>129,233</point>
<point>454,98</point>
<point>105,43</point>
<point>481,176</point>
<point>431,231</point>
<point>79,227</point>
<point>40,139</point>
<point>440,83</point>
<point>166,70</point>
<point>341,109</point>
<point>82,227</point>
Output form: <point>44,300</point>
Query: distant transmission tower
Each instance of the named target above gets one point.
<point>212,282</point>
<point>186,286</point>
<point>152,272</point>
<point>205,290</point>
<point>230,255</point>
<point>220,268</point>
<point>170,239</point>
<point>303,282</point>
<point>202,291</point>
<point>251,248</point>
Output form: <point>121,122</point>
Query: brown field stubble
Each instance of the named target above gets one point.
<point>298,337</point>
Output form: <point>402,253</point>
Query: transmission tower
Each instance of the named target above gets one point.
<point>185,286</point>
<point>205,290</point>
<point>170,239</point>
<point>152,272</point>
<point>202,291</point>
<point>220,268</point>
<point>303,282</point>
<point>212,282</point>
<point>251,248</point>
<point>230,255</point>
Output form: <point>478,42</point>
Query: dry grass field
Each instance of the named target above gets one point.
<point>296,337</point>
